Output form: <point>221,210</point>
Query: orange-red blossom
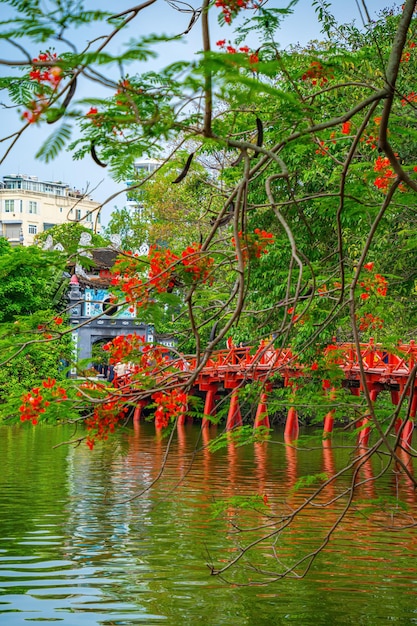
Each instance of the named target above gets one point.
<point>169,406</point>
<point>34,403</point>
<point>254,245</point>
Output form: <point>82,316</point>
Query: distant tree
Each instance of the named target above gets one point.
<point>68,235</point>
<point>130,226</point>
<point>30,280</point>
<point>32,291</point>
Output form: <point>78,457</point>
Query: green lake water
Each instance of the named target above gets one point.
<point>78,548</point>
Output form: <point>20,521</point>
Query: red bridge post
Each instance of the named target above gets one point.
<point>329,417</point>
<point>182,417</point>
<point>209,405</point>
<point>363,437</point>
<point>407,431</point>
<point>138,410</point>
<point>234,417</point>
<point>291,425</point>
<point>262,417</point>
<point>328,422</point>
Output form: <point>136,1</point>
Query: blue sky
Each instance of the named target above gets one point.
<point>301,27</point>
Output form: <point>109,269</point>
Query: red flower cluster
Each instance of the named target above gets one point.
<point>372,138</point>
<point>411,97</point>
<point>122,347</point>
<point>104,420</point>
<point>254,245</point>
<point>35,109</point>
<point>252,55</point>
<point>197,264</point>
<point>35,403</point>
<point>170,405</point>
<point>381,284</point>
<point>383,166</point>
<point>376,283</point>
<point>165,271</point>
<point>370,322</point>
<point>230,8</point>
<point>162,268</point>
<point>151,361</point>
<point>294,317</point>
<point>323,150</point>
<point>123,87</point>
<point>52,75</point>
<point>125,276</point>
<point>316,73</point>
<point>406,55</point>
<point>95,117</point>
<point>346,127</point>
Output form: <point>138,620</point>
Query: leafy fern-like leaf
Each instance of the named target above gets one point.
<point>54,144</point>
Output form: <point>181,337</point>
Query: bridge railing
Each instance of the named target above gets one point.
<point>248,363</point>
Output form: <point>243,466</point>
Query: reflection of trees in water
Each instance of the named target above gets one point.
<point>293,527</point>
<point>304,517</point>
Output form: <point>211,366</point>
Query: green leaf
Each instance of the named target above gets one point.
<point>54,144</point>
<point>307,481</point>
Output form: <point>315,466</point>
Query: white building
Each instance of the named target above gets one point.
<point>143,167</point>
<point>29,206</point>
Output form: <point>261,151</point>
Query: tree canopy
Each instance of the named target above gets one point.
<point>283,209</point>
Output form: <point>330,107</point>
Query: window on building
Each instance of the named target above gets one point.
<point>60,209</point>
<point>32,229</point>
<point>89,217</point>
<point>78,214</point>
<point>9,206</point>
<point>33,207</point>
<point>14,184</point>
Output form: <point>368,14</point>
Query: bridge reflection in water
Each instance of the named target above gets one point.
<point>348,473</point>
<point>83,549</point>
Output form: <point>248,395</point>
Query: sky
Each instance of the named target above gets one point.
<point>300,27</point>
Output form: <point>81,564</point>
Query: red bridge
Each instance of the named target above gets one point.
<point>230,369</point>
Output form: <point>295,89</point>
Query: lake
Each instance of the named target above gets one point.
<point>79,547</point>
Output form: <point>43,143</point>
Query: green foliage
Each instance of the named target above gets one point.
<point>27,280</point>
<point>130,226</point>
<point>54,144</point>
<point>254,503</point>
<point>27,358</point>
<point>304,145</point>
<point>307,481</point>
<point>68,235</point>
<point>239,437</point>
<point>388,505</point>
